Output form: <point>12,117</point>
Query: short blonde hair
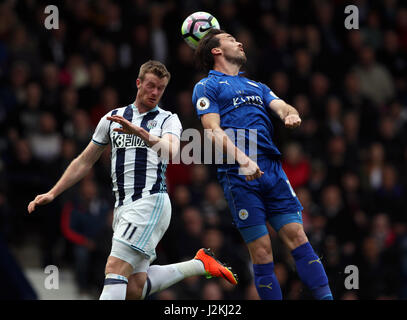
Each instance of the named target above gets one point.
<point>154,67</point>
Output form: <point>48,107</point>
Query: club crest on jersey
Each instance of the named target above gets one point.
<point>202,103</point>
<point>151,124</point>
<point>243,214</point>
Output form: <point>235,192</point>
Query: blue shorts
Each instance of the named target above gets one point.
<point>253,203</point>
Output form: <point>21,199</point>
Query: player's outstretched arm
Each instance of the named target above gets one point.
<point>249,168</point>
<point>288,114</point>
<point>76,170</point>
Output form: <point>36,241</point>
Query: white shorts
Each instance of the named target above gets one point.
<point>138,228</point>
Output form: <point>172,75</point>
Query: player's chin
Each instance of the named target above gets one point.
<point>151,103</point>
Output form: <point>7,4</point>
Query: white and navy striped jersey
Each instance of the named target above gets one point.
<point>136,170</point>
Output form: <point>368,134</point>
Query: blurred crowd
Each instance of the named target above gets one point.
<point>347,161</point>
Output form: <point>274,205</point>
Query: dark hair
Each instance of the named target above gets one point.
<point>203,54</point>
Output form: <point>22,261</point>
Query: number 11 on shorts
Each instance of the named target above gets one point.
<point>127,229</point>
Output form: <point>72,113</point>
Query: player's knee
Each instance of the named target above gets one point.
<point>293,235</point>
<point>117,266</point>
<point>111,267</point>
<point>260,250</point>
<point>298,238</point>
<point>262,255</point>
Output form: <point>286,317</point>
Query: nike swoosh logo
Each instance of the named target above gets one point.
<point>201,29</point>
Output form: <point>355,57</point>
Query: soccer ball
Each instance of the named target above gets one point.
<point>196,26</point>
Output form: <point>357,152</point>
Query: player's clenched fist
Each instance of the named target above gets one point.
<point>40,200</point>
<point>292,121</point>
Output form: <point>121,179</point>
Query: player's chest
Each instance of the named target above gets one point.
<point>232,94</point>
<point>122,140</point>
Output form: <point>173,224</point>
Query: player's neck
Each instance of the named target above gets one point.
<point>142,108</point>
<point>227,68</point>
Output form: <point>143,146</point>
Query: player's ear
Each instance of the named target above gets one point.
<point>138,83</point>
<point>216,51</point>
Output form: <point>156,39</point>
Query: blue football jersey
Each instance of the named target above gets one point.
<point>242,104</point>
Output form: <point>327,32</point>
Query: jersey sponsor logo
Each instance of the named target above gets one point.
<point>243,214</point>
<point>202,103</point>
<point>237,101</point>
<point>224,82</point>
<point>121,141</point>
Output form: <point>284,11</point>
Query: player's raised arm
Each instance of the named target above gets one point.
<point>76,170</point>
<point>287,113</point>
<point>211,121</point>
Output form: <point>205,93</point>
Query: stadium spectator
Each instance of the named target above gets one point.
<point>376,81</point>
<point>192,232</point>
<point>46,144</point>
<point>212,291</point>
<point>84,223</point>
<point>296,165</point>
<point>372,170</point>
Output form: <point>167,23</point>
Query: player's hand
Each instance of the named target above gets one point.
<point>40,200</point>
<point>251,170</point>
<point>126,126</point>
<point>292,121</point>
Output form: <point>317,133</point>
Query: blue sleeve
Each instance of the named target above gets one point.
<point>268,94</point>
<point>204,98</point>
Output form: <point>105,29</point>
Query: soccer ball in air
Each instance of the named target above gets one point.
<point>196,26</point>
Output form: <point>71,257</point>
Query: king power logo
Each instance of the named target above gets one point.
<point>257,100</point>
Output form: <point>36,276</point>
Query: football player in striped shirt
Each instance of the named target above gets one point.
<point>143,138</point>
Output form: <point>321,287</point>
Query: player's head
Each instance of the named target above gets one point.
<point>152,80</point>
<point>217,44</point>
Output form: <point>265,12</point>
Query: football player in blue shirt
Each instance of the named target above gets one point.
<point>256,191</point>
